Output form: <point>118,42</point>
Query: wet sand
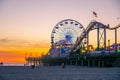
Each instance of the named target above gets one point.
<point>58,73</point>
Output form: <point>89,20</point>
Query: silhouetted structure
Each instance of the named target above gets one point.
<point>80,52</point>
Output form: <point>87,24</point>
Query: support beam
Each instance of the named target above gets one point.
<point>88,62</point>
<point>115,36</point>
<point>82,62</point>
<point>70,62</point>
<point>116,39</point>
<point>102,63</point>
<point>93,63</point>
<point>104,38</point>
<point>98,63</point>
<point>98,41</point>
<point>76,63</point>
<point>87,39</point>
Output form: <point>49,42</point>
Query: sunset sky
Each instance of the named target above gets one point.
<point>26,25</point>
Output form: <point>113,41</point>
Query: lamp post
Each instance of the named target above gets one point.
<point>109,45</point>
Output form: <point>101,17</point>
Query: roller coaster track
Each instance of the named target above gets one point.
<point>92,25</point>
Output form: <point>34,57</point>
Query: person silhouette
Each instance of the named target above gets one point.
<point>1,63</point>
<point>63,65</point>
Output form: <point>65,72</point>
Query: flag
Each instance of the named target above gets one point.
<point>118,18</point>
<point>94,13</point>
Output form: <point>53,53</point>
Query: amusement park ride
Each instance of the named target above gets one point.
<point>69,37</point>
<point>64,36</point>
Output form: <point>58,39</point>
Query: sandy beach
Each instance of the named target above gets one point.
<point>58,73</point>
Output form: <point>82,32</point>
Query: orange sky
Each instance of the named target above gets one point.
<point>18,56</point>
<point>26,26</point>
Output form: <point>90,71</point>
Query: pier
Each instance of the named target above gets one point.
<point>76,50</point>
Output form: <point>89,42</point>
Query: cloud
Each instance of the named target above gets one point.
<point>5,40</point>
<point>18,43</point>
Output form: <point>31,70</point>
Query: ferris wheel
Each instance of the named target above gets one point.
<point>66,33</point>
